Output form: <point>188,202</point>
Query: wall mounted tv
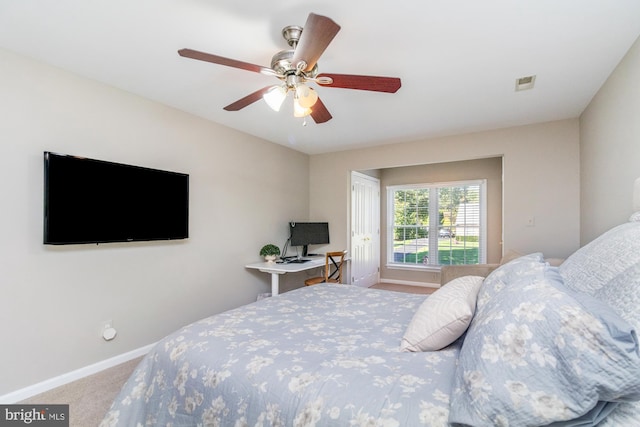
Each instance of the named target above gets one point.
<point>308,233</point>
<point>95,201</point>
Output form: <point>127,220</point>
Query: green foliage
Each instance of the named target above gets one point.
<point>411,207</point>
<point>448,254</point>
<point>269,250</point>
<point>453,207</point>
<point>458,256</point>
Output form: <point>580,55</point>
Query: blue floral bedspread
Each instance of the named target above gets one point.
<point>323,355</point>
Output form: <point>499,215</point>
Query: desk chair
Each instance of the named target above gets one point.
<point>332,269</point>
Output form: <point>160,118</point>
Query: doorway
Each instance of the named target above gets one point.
<point>365,230</point>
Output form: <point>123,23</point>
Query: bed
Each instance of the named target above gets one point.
<point>531,344</point>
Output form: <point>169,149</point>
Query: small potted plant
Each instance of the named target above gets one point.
<point>270,252</point>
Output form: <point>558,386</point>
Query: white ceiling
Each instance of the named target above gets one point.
<point>458,59</point>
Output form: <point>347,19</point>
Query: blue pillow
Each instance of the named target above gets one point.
<point>540,353</point>
<point>602,261</point>
<point>517,269</point>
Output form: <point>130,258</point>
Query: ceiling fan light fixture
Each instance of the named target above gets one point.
<point>275,96</point>
<point>299,110</point>
<point>306,96</point>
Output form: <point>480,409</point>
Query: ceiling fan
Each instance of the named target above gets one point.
<point>297,66</point>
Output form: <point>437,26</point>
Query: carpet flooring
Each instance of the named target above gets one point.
<point>89,398</point>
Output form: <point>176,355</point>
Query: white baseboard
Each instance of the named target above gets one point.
<point>410,283</point>
<point>51,383</point>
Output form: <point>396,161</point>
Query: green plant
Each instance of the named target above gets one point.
<point>269,250</point>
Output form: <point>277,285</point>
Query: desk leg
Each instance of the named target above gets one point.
<point>275,283</point>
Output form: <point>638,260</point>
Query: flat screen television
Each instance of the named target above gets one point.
<point>95,201</point>
<point>308,233</point>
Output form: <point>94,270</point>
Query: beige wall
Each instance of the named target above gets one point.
<point>54,299</point>
<point>489,169</point>
<point>610,149</point>
<point>541,181</point>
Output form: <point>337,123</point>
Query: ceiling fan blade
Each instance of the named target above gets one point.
<point>247,100</point>
<point>316,35</point>
<point>208,57</point>
<point>319,112</point>
<point>373,83</point>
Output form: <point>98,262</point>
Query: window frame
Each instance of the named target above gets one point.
<point>434,221</point>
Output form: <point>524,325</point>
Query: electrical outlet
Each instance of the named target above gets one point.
<point>531,221</point>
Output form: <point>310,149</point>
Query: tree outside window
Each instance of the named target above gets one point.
<point>437,224</point>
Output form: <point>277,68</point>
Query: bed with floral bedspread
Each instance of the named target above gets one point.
<point>323,354</point>
<point>540,345</point>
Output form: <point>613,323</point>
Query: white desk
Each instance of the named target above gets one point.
<point>277,269</point>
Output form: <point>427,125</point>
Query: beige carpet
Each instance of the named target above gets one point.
<point>89,398</point>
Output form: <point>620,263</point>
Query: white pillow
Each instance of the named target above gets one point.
<point>444,316</point>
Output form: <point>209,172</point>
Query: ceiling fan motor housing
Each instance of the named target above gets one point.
<point>281,64</point>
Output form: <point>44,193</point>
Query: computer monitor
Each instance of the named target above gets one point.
<point>308,233</point>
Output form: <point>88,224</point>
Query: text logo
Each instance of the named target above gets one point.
<point>34,415</point>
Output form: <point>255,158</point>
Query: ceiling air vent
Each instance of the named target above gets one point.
<point>524,83</point>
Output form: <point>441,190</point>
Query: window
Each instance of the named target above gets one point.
<point>430,225</point>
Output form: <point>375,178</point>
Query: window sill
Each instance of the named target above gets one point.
<point>412,267</point>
